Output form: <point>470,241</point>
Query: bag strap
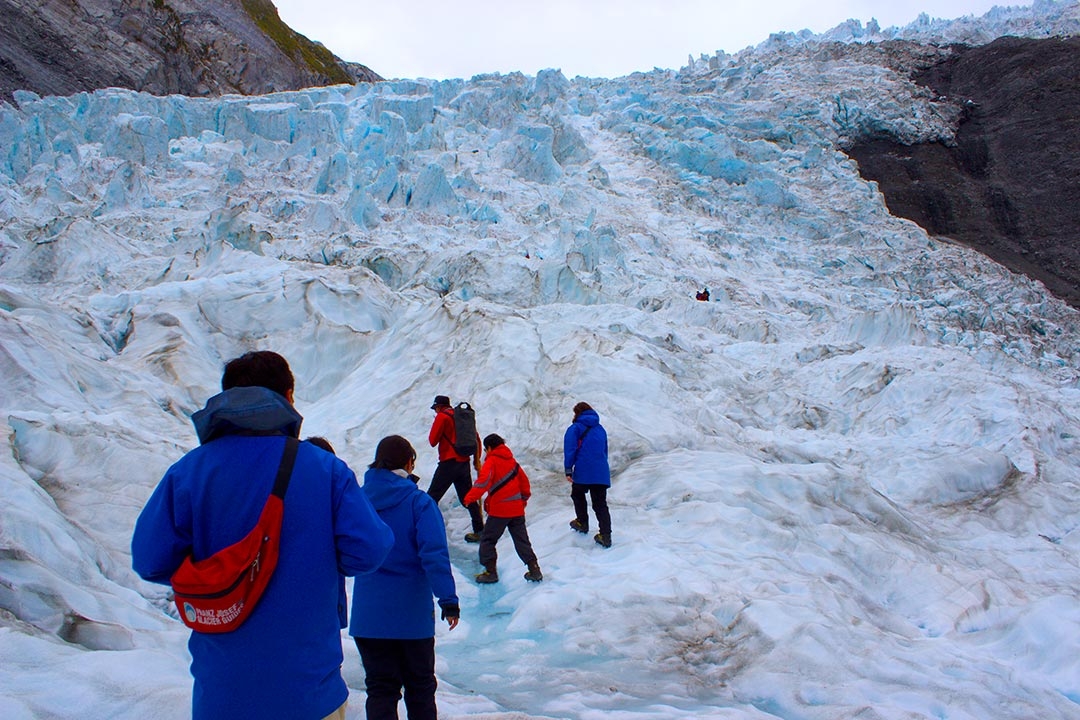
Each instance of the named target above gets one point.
<point>581,437</point>
<point>284,471</point>
<point>505,479</point>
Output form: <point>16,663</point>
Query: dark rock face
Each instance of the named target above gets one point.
<point>189,47</point>
<point>1010,186</point>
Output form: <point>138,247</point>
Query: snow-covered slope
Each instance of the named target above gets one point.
<point>845,487</point>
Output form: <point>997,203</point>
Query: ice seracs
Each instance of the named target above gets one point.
<point>845,485</point>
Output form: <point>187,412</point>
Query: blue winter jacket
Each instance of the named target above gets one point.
<point>585,451</point>
<point>285,660</point>
<point>395,602</point>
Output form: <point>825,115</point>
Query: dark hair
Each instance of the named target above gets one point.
<point>321,442</point>
<point>393,453</point>
<point>493,441</point>
<point>580,408</point>
<point>261,368</point>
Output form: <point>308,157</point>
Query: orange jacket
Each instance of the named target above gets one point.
<point>443,435</point>
<point>509,500</point>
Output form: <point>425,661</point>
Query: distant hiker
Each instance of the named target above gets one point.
<point>703,295</point>
<point>453,468</point>
<point>393,618</point>
<point>585,458</point>
<point>507,488</point>
<point>284,661</point>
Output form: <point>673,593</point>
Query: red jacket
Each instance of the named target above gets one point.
<point>509,500</point>
<point>443,435</point>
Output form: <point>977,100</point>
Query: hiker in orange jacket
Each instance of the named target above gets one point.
<point>507,488</point>
<point>453,467</point>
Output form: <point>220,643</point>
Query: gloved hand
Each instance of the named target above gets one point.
<point>451,613</point>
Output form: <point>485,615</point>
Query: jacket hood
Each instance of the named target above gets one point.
<point>503,451</point>
<point>242,410</point>
<point>385,488</point>
<point>588,418</point>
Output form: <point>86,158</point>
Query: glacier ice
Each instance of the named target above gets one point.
<point>845,487</point>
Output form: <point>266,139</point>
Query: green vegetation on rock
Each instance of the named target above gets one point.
<point>293,44</point>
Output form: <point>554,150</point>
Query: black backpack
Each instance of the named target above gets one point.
<point>465,429</point>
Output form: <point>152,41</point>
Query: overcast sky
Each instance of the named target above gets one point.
<point>596,38</point>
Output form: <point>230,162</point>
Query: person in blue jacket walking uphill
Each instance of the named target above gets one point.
<point>585,459</point>
<point>285,660</point>
<point>393,616</point>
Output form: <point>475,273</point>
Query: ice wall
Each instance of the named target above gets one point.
<point>527,242</point>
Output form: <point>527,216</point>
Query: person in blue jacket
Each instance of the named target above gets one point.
<point>393,616</point>
<point>284,662</point>
<point>343,599</point>
<point>585,459</point>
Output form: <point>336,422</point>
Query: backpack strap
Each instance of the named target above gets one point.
<point>285,468</point>
<point>504,479</point>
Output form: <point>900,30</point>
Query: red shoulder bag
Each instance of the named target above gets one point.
<point>218,593</point>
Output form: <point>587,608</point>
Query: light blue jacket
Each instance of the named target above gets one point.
<point>585,451</point>
<point>285,660</point>
<point>395,602</point>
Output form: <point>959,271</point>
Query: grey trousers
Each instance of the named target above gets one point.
<point>493,530</point>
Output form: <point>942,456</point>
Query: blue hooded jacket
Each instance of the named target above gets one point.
<point>395,602</point>
<point>285,660</point>
<point>585,451</point>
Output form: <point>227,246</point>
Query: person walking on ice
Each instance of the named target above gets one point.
<point>284,661</point>
<point>453,467</point>
<point>585,459</point>
<point>507,488</point>
<point>393,616</point>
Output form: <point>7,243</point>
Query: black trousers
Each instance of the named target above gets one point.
<point>494,530</point>
<point>598,494</point>
<point>453,472</point>
<point>391,665</point>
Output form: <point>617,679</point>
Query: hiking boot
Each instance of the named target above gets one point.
<point>534,574</point>
<point>578,526</point>
<point>490,575</point>
<point>472,537</point>
<point>602,539</point>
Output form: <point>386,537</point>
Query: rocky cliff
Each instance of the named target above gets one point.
<point>188,47</point>
<point>1009,183</point>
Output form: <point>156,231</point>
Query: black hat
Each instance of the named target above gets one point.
<point>440,400</point>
